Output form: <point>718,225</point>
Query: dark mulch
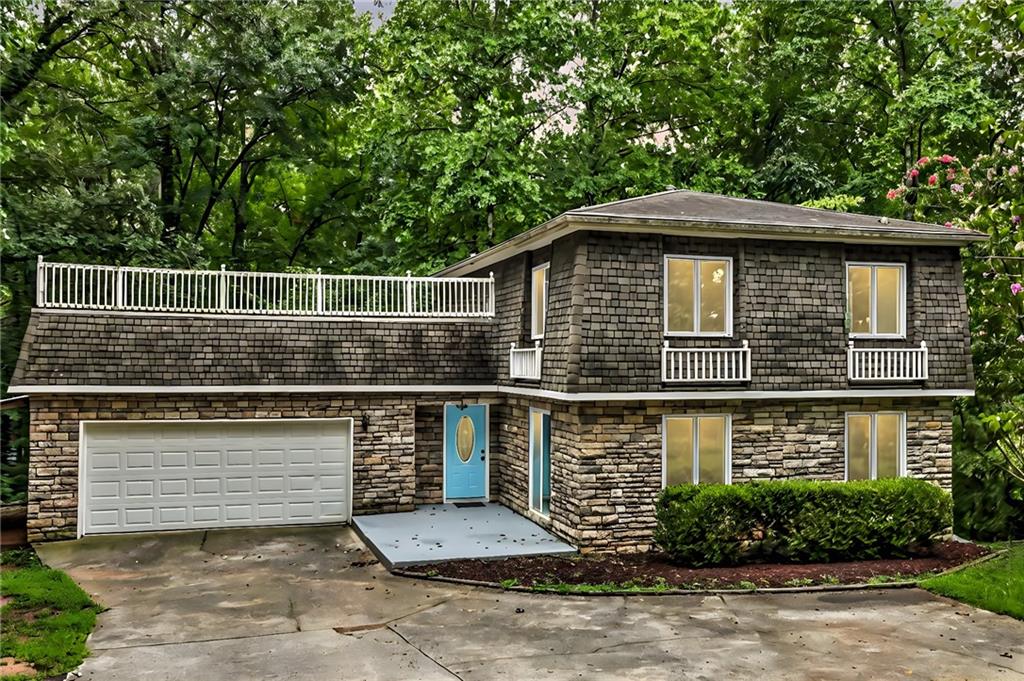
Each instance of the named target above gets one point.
<point>652,568</point>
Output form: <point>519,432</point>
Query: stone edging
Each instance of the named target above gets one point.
<point>815,588</point>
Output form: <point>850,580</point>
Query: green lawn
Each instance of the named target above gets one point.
<point>996,585</point>
<point>48,617</point>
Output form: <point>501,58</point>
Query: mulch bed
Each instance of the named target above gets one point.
<point>651,569</point>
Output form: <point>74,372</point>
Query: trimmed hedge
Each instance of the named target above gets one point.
<point>799,521</point>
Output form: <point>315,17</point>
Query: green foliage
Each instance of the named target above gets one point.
<point>13,481</point>
<point>844,203</point>
<point>798,520</point>
<point>47,619</point>
<point>996,584</point>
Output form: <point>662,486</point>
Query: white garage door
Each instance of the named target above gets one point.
<point>164,475</point>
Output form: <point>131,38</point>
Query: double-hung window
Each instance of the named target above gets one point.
<point>876,299</point>
<point>698,296</point>
<point>875,445</point>
<point>538,300</point>
<point>696,449</point>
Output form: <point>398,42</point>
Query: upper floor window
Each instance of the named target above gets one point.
<point>538,300</point>
<point>875,445</point>
<point>698,296</point>
<point>876,299</point>
<point>696,449</point>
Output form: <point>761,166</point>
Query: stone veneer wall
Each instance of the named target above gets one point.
<point>385,454</point>
<point>509,476</point>
<point>606,457</point>
<point>429,448</point>
<point>618,471</point>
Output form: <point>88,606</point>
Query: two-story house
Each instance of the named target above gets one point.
<point>569,373</point>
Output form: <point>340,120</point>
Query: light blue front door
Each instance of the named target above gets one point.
<point>465,451</point>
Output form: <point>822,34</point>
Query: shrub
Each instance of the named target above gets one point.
<point>799,520</point>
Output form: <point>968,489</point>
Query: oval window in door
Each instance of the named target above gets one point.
<point>465,435</point>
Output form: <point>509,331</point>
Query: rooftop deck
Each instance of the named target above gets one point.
<point>149,289</point>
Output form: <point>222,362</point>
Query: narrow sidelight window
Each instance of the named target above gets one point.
<point>875,445</point>
<point>876,299</point>
<point>540,461</point>
<point>696,449</point>
<point>698,296</point>
<point>538,300</point>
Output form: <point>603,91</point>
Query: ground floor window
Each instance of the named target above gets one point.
<point>696,449</point>
<point>540,461</point>
<point>875,445</point>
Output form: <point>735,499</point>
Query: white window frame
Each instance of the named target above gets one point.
<point>533,300</point>
<point>901,466</point>
<point>902,321</point>
<point>696,445</point>
<point>529,459</point>
<point>696,297</point>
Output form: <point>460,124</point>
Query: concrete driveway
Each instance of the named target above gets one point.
<point>311,604</point>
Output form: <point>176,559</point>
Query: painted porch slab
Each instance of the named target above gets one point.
<point>441,532</point>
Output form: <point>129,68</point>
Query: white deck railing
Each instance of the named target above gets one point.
<point>705,365</point>
<point>147,289</point>
<point>888,364</point>
<point>525,363</point>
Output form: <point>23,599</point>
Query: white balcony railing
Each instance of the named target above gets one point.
<point>525,363</point>
<point>887,364</point>
<point>705,365</point>
<point>147,289</point>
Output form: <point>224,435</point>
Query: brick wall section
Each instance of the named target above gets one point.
<point>384,465</point>
<point>121,349</point>
<point>619,466</point>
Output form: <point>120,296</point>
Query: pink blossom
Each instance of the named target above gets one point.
<point>1015,220</point>
<point>956,188</point>
<point>891,194</point>
<point>921,161</point>
<point>914,172</point>
<point>1013,170</point>
<point>1020,338</point>
<point>950,174</point>
<point>1016,288</point>
<point>949,224</point>
<point>946,158</point>
<point>932,179</point>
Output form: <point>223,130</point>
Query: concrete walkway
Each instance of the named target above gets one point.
<point>440,532</point>
<point>312,604</point>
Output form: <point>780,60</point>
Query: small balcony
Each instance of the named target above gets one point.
<point>148,289</point>
<point>705,365</point>
<point>525,363</point>
<point>887,365</point>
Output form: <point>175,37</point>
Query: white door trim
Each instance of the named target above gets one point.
<point>82,481</point>
<point>444,449</point>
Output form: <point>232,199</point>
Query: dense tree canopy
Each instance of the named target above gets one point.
<point>274,134</point>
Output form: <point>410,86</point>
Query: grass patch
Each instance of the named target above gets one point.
<point>606,587</point>
<point>996,584</point>
<point>47,619</point>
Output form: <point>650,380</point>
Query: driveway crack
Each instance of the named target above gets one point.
<point>202,544</point>
<point>422,652</point>
<point>373,626</point>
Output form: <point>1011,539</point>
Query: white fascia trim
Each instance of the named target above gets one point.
<point>224,389</point>
<point>567,223</point>
<point>506,389</point>
<point>732,394</point>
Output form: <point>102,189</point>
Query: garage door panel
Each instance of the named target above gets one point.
<point>150,476</point>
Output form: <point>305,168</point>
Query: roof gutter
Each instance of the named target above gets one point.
<point>568,223</point>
